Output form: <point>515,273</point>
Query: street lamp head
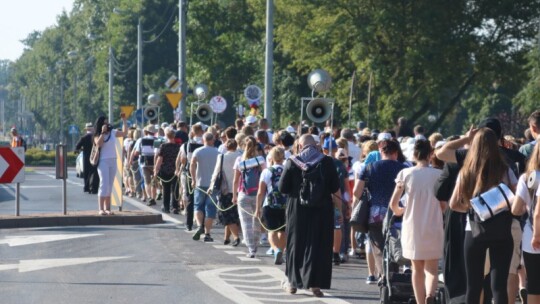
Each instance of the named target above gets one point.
<point>153,99</point>
<point>201,91</point>
<point>319,81</point>
<point>72,54</point>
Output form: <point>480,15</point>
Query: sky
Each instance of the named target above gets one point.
<point>18,18</point>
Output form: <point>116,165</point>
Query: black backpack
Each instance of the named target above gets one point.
<point>312,187</point>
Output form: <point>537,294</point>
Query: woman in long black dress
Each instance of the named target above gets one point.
<point>310,230</point>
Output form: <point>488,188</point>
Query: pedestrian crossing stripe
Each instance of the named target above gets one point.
<point>116,195</point>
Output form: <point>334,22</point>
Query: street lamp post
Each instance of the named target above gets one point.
<point>111,76</point>
<point>182,10</point>
<point>139,66</point>
<point>269,61</point>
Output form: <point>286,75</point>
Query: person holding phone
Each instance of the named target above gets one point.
<point>105,139</point>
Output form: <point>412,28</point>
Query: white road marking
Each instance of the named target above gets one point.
<point>67,180</point>
<point>222,246</point>
<point>234,252</point>
<point>143,207</point>
<point>22,240</point>
<point>246,259</point>
<point>34,265</point>
<point>220,280</point>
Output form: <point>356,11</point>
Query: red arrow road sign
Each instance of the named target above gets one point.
<point>14,165</point>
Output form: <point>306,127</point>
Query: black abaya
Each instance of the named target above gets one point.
<point>310,231</point>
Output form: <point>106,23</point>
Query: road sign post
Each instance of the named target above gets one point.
<point>61,172</point>
<point>12,170</point>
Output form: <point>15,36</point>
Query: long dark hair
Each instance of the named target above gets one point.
<point>483,168</point>
<point>99,125</point>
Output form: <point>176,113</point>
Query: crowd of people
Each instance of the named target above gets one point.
<point>297,188</point>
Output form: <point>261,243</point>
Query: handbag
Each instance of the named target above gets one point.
<point>219,179</point>
<point>360,216</point>
<point>492,202</point>
<point>94,155</point>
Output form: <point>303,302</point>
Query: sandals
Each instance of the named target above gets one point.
<point>317,292</point>
<point>287,287</point>
<point>109,212</point>
<point>102,212</point>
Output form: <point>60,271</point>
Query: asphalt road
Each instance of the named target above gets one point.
<point>140,264</point>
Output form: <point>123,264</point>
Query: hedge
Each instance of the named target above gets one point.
<point>37,157</point>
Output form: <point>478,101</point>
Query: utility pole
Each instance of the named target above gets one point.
<point>139,68</point>
<point>269,62</point>
<point>111,75</point>
<point>182,10</point>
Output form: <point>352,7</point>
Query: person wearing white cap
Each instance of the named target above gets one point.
<point>144,147</point>
<point>251,120</point>
<point>84,145</point>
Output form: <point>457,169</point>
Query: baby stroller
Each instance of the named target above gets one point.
<point>396,286</point>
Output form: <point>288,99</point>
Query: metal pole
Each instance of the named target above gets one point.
<point>369,99</point>
<point>139,68</point>
<point>18,200</point>
<point>269,63</point>
<point>111,78</point>
<point>62,109</point>
<point>64,196</point>
<point>351,97</point>
<point>182,10</point>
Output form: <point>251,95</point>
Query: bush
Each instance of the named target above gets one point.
<point>38,157</point>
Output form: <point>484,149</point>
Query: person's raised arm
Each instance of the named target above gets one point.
<point>447,152</point>
<point>124,131</point>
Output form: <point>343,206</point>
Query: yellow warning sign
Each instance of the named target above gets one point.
<point>127,110</point>
<point>174,99</point>
<point>116,195</point>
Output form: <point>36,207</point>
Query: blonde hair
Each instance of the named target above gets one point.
<point>369,146</point>
<point>250,145</point>
<point>277,155</point>
<point>342,142</point>
<point>240,140</point>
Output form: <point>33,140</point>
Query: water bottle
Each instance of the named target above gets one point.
<point>252,162</point>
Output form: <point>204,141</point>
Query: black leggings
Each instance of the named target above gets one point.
<point>500,254</point>
<point>170,191</point>
<point>532,264</point>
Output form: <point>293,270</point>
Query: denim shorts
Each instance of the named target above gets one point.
<point>203,203</point>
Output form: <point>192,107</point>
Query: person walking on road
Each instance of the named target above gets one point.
<point>164,170</point>
<point>105,139</point>
<point>203,162</point>
<point>422,233</point>
<point>91,179</point>
<point>309,229</point>
<point>484,168</point>
<point>245,188</point>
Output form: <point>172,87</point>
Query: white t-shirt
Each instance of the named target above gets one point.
<point>523,192</point>
<point>266,177</point>
<point>108,149</point>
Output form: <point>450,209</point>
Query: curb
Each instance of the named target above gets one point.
<point>81,219</point>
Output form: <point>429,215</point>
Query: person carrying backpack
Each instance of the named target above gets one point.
<point>526,202</point>
<point>245,188</point>
<point>311,182</point>
<point>273,208</point>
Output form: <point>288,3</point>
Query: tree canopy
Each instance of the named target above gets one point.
<point>458,61</point>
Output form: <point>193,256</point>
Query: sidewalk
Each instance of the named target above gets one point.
<point>41,204</point>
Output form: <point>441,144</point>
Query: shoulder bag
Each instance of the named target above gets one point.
<point>492,202</point>
<point>490,216</point>
<point>94,155</point>
<point>360,214</point>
